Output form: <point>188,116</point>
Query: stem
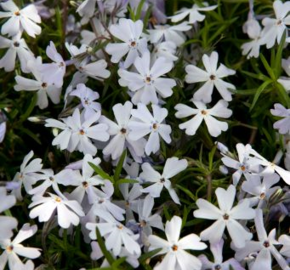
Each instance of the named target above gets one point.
<point>209,187</point>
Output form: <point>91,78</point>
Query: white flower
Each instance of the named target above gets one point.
<point>28,175</point>
<point>87,9</point>
<point>169,33</point>
<point>261,190</point>
<point>252,48</point>
<point>52,180</point>
<point>217,251</point>
<point>215,127</point>
<point>13,248</point>
<point>146,219</point>
<point>176,257</point>
<point>24,19</point>
<point>172,167</point>
<point>102,201</point>
<point>53,73</point>
<point>148,80</point>
<point>120,132</point>
<point>7,223</point>
<point>285,81</point>
<point>68,211</point>
<point>87,97</point>
<point>16,47</point>
<point>212,76</point>
<point>85,183</point>
<point>144,123</point>
<point>285,241</point>
<point>269,167</point>
<point>274,28</point>
<point>115,233</point>
<point>282,125</point>
<point>40,85</point>
<point>77,132</point>
<point>225,217</point>
<point>265,247</point>
<point>193,12</point>
<point>241,164</point>
<point>130,33</point>
<point>166,49</point>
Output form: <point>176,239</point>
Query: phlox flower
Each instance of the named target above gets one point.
<point>19,20</point>
<point>176,257</point>
<point>115,233</point>
<point>28,175</point>
<point>148,81</point>
<point>261,190</point>
<point>285,81</point>
<point>241,164</point>
<point>166,49</point>
<point>87,97</point>
<point>102,201</point>
<point>169,33</point>
<point>269,167</point>
<point>252,48</point>
<point>144,123</point>
<point>87,9</point>
<point>53,73</point>
<point>217,251</point>
<point>285,241</point>
<point>226,216</point>
<point>68,211</point>
<point>50,179</point>
<point>11,249</point>
<point>172,167</point>
<point>85,182</point>
<point>215,127</point>
<point>274,28</point>
<point>265,247</point>
<point>7,223</point>
<point>282,125</point>
<point>193,13</point>
<point>129,33</point>
<point>82,59</point>
<point>39,84</point>
<point>77,132</point>
<point>212,76</point>
<point>16,47</point>
<point>120,134</point>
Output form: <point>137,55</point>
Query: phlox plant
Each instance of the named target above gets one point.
<point>144,134</point>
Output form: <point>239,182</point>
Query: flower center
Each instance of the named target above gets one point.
<point>133,43</point>
<point>243,168</point>
<point>148,79</point>
<point>85,184</point>
<point>217,267</point>
<point>174,247</point>
<point>162,180</point>
<point>101,201</point>
<point>123,130</point>
<point>82,132</point>
<point>155,126</point>
<point>204,112</point>
<point>51,178</point>
<point>9,248</point>
<point>61,64</point>
<point>212,77</point>
<point>266,244</point>
<point>44,85</point>
<point>142,223</point>
<point>17,13</point>
<point>226,216</point>
<point>16,44</point>
<point>279,22</point>
<point>57,199</point>
<point>262,196</point>
<point>120,227</point>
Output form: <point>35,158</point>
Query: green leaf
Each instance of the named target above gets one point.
<point>268,68</point>
<point>256,76</point>
<point>149,254</point>
<point>278,57</point>
<point>101,173</point>
<point>29,109</point>
<point>139,10</point>
<point>259,92</point>
<point>186,191</point>
<point>120,165</point>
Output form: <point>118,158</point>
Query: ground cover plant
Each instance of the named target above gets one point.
<point>142,134</point>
